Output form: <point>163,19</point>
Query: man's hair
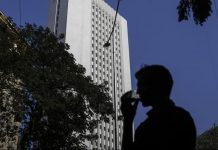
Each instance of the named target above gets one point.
<point>157,75</point>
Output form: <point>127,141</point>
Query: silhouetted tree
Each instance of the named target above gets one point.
<point>10,85</point>
<point>208,140</point>
<point>201,10</point>
<point>58,104</point>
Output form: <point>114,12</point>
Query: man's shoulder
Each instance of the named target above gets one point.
<point>181,112</point>
<point>173,115</point>
<point>183,117</point>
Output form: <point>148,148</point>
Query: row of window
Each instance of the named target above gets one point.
<point>98,41</point>
<point>103,18</point>
<point>104,70</point>
<point>102,26</point>
<point>99,29</point>
<point>100,80</point>
<point>106,144</point>
<point>106,26</point>
<point>102,66</point>
<point>106,54</point>
<point>99,12</point>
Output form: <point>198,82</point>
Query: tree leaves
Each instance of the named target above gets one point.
<point>58,103</point>
<point>208,140</point>
<point>201,10</point>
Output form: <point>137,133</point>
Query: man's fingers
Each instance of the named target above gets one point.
<point>126,96</point>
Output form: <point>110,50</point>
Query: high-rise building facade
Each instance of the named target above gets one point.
<point>87,25</point>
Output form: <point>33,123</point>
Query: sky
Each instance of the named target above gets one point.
<point>189,51</point>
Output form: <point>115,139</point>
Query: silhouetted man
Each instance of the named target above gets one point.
<point>167,126</point>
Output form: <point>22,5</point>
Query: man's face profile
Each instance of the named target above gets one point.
<point>154,83</point>
<point>144,90</point>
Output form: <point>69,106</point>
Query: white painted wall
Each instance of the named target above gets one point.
<point>78,31</point>
<point>125,53</point>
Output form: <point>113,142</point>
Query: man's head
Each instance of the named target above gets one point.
<point>154,84</point>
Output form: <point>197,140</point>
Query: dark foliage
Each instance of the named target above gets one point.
<point>201,10</point>
<point>208,140</point>
<point>51,97</point>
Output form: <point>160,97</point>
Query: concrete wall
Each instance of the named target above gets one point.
<point>78,31</point>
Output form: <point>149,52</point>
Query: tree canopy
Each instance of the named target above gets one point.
<point>200,9</point>
<point>208,140</point>
<point>56,104</point>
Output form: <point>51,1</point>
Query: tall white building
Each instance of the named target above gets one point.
<point>87,25</point>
